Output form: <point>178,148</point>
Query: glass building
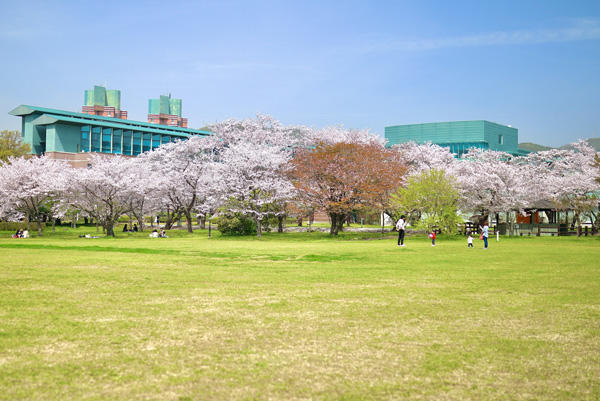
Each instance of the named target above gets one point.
<point>65,134</point>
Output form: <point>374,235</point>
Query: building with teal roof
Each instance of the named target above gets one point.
<point>68,135</point>
<point>458,136</point>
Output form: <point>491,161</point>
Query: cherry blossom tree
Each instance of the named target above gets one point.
<point>567,177</point>
<point>253,181</point>
<point>28,185</point>
<point>143,191</point>
<point>421,157</point>
<point>188,173</point>
<point>339,134</point>
<point>253,154</point>
<point>101,191</point>
<point>263,129</point>
<point>490,182</point>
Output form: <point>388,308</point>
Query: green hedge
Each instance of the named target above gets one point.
<point>12,225</point>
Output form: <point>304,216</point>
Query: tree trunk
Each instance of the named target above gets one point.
<point>202,222</point>
<point>110,232</point>
<point>39,226</point>
<point>332,229</point>
<point>53,225</point>
<point>258,227</point>
<point>280,223</point>
<point>171,218</point>
<point>188,219</point>
<point>300,221</point>
<point>140,221</point>
<point>341,219</point>
<point>337,223</point>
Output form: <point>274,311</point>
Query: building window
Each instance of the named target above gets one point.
<point>116,142</point>
<point>137,143</point>
<point>85,138</point>
<point>501,139</point>
<point>95,146</point>
<point>155,141</point>
<point>127,143</point>
<point>146,142</point>
<point>106,140</point>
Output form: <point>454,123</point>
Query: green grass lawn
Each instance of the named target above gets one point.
<point>298,317</point>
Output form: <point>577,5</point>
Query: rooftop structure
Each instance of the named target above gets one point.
<point>166,111</point>
<point>459,136</point>
<point>73,136</point>
<point>103,102</point>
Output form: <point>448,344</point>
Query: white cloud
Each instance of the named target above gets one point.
<point>583,29</point>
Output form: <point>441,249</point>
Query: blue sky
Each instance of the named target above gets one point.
<point>363,64</point>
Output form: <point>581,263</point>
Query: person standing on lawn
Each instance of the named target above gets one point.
<point>432,237</point>
<point>484,234</point>
<point>401,226</point>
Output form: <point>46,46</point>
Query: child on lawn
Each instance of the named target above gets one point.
<point>470,240</point>
<point>432,236</point>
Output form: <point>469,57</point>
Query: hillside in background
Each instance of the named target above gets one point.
<point>534,147</point>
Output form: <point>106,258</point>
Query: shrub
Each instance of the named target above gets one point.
<point>12,225</point>
<point>236,224</point>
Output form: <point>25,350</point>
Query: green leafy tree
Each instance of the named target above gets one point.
<point>11,145</point>
<point>430,200</point>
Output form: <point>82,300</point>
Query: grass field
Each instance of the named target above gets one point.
<point>298,317</point>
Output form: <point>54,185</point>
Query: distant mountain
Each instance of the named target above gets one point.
<point>595,142</point>
<point>534,147</point>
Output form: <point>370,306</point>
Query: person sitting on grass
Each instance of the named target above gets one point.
<point>162,234</point>
<point>25,233</point>
<point>135,229</point>
<point>154,234</point>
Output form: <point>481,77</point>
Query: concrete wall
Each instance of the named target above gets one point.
<point>34,135</point>
<point>62,137</point>
<point>510,137</point>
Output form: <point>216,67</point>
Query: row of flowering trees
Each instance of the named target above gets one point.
<point>260,168</point>
<point>490,181</point>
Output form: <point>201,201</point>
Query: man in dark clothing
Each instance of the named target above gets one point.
<point>400,226</point>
